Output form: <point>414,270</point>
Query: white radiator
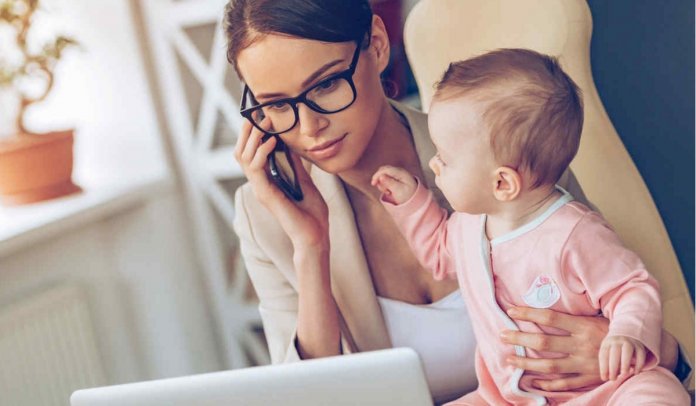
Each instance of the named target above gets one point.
<point>47,348</point>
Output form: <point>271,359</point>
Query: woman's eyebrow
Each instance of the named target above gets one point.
<point>307,81</point>
<point>320,72</point>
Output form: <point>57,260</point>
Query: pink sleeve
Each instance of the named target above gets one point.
<point>614,279</point>
<point>424,225</point>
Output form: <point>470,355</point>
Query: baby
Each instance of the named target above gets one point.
<point>506,125</point>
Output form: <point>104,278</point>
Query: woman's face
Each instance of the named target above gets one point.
<point>277,66</point>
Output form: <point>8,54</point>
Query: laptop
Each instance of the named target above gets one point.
<point>386,377</point>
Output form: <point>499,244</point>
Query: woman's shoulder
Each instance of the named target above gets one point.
<point>244,201</point>
<point>417,120</point>
<point>252,221</point>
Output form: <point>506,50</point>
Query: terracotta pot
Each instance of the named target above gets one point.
<point>36,167</point>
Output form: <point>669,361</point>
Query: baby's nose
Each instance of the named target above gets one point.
<point>433,166</point>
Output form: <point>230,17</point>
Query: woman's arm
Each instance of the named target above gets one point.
<point>311,309</point>
<point>279,300</point>
<point>318,332</point>
<point>277,296</point>
<point>669,351</point>
<point>581,366</point>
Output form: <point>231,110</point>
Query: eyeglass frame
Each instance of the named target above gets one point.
<point>302,97</point>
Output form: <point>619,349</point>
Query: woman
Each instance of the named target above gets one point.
<point>332,273</point>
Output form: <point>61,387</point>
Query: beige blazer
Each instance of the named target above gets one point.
<point>268,252</point>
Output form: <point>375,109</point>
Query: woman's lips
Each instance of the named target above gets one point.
<point>327,150</point>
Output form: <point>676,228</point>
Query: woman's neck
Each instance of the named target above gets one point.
<point>391,144</point>
<point>513,215</point>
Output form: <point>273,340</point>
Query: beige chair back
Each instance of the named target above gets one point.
<point>438,32</point>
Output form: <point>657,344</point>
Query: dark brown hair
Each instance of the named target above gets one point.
<point>322,20</point>
<point>532,109</point>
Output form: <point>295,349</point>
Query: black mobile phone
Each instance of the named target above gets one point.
<point>282,169</point>
<point>280,166</point>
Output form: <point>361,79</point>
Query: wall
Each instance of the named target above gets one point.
<point>643,66</point>
<point>101,90</point>
<point>138,266</point>
<point>146,299</point>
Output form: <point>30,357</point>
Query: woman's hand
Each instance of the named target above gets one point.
<point>580,368</point>
<point>305,222</point>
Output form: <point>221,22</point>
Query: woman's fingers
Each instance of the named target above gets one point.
<point>252,154</point>
<point>242,140</point>
<point>261,154</point>
<point>545,317</point>
<point>565,384</point>
<point>604,362</point>
<point>255,138</point>
<point>252,146</point>
<point>586,358</point>
<point>545,365</point>
<point>537,341</point>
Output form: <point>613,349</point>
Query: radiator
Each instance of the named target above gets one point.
<point>47,348</point>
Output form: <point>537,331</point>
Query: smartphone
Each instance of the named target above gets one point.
<point>282,169</point>
<point>280,166</point>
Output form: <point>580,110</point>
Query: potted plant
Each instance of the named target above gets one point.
<point>33,166</point>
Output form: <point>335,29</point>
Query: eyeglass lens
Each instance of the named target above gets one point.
<point>329,96</point>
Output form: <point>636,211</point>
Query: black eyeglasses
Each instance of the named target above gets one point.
<point>331,95</point>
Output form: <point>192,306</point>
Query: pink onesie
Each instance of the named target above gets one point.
<point>568,259</point>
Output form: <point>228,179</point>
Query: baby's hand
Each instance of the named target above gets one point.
<point>396,184</point>
<point>616,354</point>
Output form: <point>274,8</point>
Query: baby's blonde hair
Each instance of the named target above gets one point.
<point>532,109</point>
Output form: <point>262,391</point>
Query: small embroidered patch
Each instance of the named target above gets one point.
<point>543,293</point>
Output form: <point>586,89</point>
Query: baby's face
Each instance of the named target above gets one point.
<point>464,164</point>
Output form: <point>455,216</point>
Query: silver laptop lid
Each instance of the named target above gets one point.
<point>387,377</point>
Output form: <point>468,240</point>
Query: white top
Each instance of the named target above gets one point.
<point>441,334</point>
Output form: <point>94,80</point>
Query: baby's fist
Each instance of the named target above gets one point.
<point>616,354</point>
<point>396,184</point>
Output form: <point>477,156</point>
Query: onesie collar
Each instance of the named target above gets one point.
<point>565,198</point>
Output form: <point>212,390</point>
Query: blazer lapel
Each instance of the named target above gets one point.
<point>351,282</point>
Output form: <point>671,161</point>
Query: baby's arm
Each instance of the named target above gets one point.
<point>418,217</point>
<point>615,280</point>
<point>395,184</point>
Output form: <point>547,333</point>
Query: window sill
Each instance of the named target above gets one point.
<point>24,226</point>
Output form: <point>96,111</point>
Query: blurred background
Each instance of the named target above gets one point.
<point>138,276</point>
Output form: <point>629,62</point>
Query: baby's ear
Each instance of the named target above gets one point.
<point>508,184</point>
